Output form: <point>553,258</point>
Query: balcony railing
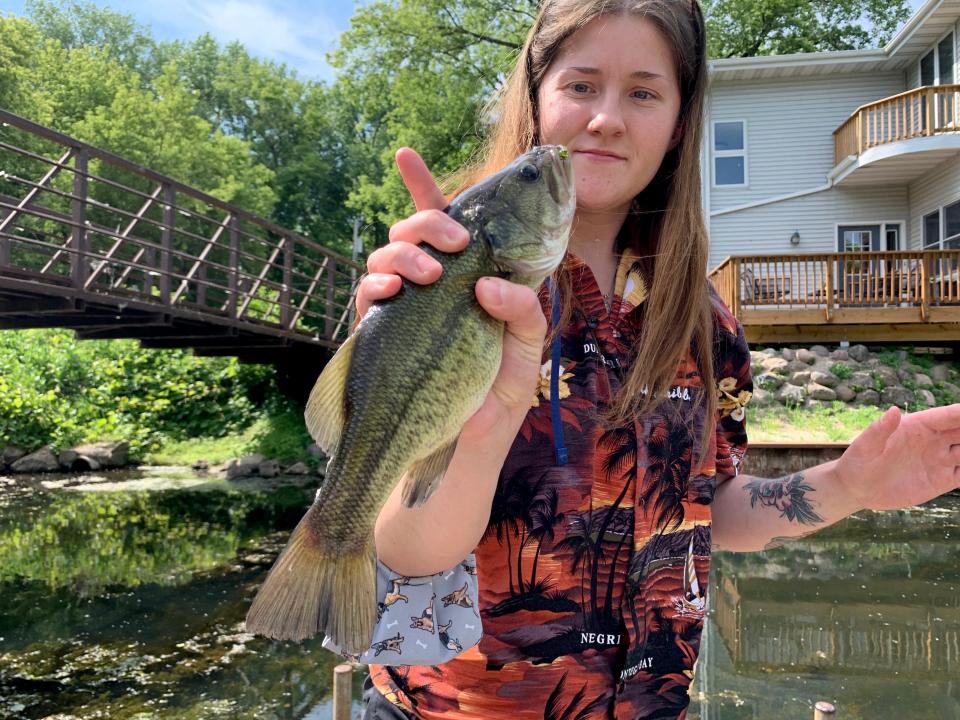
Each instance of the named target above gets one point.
<point>767,285</point>
<point>916,113</point>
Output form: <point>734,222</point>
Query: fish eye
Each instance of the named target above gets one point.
<point>530,173</point>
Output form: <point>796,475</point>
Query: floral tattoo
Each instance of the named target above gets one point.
<point>786,494</point>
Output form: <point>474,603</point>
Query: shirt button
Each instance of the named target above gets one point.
<point>591,322</point>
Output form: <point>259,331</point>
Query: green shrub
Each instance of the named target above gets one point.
<point>842,371</point>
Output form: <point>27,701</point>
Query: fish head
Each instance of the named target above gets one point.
<point>524,213</point>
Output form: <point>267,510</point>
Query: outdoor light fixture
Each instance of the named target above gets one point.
<point>795,238</point>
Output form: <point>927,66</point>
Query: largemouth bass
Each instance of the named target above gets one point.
<point>390,405</point>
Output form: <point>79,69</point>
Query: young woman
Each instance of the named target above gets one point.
<point>591,488</point>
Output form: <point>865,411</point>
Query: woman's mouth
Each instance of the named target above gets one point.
<point>600,155</point>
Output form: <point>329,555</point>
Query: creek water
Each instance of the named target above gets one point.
<point>122,595</point>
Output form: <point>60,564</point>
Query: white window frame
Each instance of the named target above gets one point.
<point>714,154</point>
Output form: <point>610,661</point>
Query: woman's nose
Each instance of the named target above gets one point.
<point>607,120</point>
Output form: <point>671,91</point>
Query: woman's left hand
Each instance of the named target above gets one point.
<point>903,460</point>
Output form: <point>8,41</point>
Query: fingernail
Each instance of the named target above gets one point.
<point>457,236</point>
<point>426,264</point>
<point>492,290</point>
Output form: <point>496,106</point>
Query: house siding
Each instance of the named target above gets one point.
<point>767,229</point>
<point>930,192</point>
<point>790,128</point>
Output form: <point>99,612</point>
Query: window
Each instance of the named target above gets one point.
<point>936,67</point>
<point>951,226</point>
<point>730,153</point>
<point>931,230</point>
<point>927,70</point>
<point>945,60</point>
<point>857,241</point>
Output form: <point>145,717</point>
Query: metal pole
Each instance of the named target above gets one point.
<point>823,711</point>
<point>342,691</point>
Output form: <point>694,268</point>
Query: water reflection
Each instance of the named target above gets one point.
<point>130,604</point>
<point>865,614</point>
<point>123,597</point>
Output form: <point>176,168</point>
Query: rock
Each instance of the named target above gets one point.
<point>819,350</point>
<point>11,454</point>
<point>797,365</point>
<point>923,381</point>
<point>896,395</point>
<point>791,395</point>
<point>767,381</point>
<point>806,356</point>
<point>799,378</point>
<point>859,353</point>
<point>820,392</point>
<point>872,363</point>
<point>774,365</point>
<point>844,393</point>
<point>868,397</point>
<point>863,380</point>
<point>200,466</point>
<point>951,389</point>
<point>96,455</point>
<point>43,460</point>
<point>789,354</point>
<point>822,378</point>
<point>887,375</point>
<point>926,398</point>
<point>74,461</point>
<point>244,467</point>
<point>268,468</point>
<point>301,469</point>
<point>769,352</point>
<point>940,373</point>
<point>840,354</point>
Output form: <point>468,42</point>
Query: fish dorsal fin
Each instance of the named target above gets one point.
<point>325,408</point>
<point>425,475</point>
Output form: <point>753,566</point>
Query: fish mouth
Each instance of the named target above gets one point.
<point>560,177</point>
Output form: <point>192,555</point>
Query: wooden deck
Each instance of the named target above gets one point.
<point>921,112</point>
<point>884,297</point>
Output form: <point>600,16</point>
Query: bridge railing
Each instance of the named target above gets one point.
<point>83,222</point>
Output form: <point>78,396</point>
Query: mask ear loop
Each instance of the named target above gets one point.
<point>559,445</point>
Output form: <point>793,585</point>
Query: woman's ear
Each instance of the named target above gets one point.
<point>676,137</point>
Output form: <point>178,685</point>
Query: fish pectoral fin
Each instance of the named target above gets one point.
<point>425,475</point>
<point>325,414</point>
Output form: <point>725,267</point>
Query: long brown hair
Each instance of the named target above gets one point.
<point>665,226</point>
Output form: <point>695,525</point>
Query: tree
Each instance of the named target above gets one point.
<point>744,28</point>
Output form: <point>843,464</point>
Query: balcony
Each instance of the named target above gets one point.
<point>899,138</point>
<point>860,297</point>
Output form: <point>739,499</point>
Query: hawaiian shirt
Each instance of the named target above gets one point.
<point>593,575</point>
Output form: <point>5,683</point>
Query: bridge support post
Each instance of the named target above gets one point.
<point>234,279</point>
<point>286,310</point>
<point>79,240</point>
<point>166,242</point>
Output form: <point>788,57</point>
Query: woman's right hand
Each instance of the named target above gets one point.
<point>517,305</point>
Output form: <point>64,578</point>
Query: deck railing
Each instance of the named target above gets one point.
<point>81,222</point>
<point>922,112</point>
<point>919,279</point>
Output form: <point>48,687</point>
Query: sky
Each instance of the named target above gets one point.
<point>297,32</point>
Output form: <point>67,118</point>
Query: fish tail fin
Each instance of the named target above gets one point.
<point>311,589</point>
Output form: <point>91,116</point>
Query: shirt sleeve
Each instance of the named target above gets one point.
<point>422,620</point>
<point>734,390</point>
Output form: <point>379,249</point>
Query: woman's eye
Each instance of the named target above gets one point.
<point>642,95</point>
<point>580,87</point>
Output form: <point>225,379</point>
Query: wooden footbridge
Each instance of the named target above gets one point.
<point>93,242</point>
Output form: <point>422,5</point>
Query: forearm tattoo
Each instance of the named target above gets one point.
<point>787,494</point>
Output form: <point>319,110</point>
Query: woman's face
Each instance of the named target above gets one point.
<point>612,97</point>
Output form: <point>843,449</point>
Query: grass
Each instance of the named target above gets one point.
<point>279,435</point>
<point>811,425</point>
